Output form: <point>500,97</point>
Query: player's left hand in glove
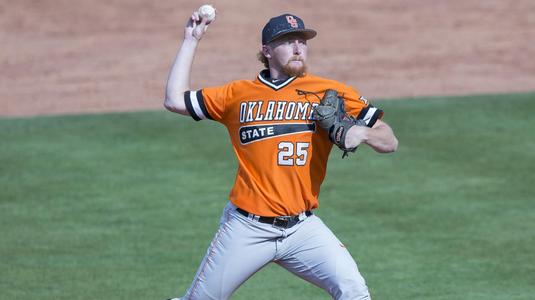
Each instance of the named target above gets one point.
<point>330,115</point>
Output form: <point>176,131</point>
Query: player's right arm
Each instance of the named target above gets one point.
<point>178,81</point>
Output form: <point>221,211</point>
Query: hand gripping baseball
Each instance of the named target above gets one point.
<point>198,23</point>
<point>330,115</point>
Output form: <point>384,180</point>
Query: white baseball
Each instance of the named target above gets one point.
<point>207,12</point>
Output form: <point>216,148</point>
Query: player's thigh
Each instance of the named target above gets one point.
<point>236,253</point>
<point>320,258</point>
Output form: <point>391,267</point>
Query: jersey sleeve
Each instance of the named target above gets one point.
<point>360,108</point>
<point>208,103</point>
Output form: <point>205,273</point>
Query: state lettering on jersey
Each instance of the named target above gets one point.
<point>253,133</point>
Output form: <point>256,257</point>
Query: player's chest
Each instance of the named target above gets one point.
<point>256,120</point>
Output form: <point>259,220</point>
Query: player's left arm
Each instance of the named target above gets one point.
<point>380,137</point>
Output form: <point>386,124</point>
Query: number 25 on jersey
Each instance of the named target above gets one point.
<point>291,154</point>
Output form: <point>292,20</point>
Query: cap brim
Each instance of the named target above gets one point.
<point>307,33</point>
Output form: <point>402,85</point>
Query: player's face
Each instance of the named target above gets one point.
<point>289,54</point>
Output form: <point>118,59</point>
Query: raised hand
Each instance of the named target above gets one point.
<point>196,27</point>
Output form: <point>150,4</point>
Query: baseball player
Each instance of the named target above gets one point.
<point>283,125</point>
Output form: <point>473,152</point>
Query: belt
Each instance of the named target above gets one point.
<point>283,221</point>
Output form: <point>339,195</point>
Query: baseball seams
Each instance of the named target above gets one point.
<point>207,12</point>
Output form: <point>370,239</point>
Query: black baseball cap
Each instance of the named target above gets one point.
<point>283,24</point>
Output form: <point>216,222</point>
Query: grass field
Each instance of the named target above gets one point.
<point>123,206</point>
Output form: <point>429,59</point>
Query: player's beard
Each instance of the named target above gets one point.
<point>294,71</point>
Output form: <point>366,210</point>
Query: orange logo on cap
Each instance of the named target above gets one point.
<point>292,21</point>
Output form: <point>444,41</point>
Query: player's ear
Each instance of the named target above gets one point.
<point>266,51</point>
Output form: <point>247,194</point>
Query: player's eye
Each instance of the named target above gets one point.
<point>299,41</point>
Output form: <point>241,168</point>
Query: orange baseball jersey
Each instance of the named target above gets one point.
<point>282,153</point>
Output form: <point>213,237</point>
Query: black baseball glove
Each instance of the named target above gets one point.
<point>331,116</point>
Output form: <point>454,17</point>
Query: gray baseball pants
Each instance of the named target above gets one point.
<point>242,246</point>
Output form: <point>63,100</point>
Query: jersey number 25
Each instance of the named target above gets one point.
<point>290,154</point>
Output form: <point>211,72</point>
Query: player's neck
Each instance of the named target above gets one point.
<point>276,74</point>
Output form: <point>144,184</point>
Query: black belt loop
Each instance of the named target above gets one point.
<point>282,221</point>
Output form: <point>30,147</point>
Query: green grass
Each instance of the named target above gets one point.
<point>123,206</point>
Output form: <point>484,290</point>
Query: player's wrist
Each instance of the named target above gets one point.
<point>191,40</point>
<point>356,135</point>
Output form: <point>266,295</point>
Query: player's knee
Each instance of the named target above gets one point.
<point>351,289</point>
<point>352,294</point>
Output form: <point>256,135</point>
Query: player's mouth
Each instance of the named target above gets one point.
<point>295,67</point>
<point>295,58</point>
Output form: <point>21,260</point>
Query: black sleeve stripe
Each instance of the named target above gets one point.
<point>189,107</point>
<point>200,99</point>
<point>363,113</point>
<point>370,115</point>
<point>376,116</point>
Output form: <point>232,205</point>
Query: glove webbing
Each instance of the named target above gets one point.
<point>338,131</point>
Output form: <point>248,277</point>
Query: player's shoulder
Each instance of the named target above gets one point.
<point>313,77</point>
<point>241,84</point>
<point>328,83</point>
<point>231,88</point>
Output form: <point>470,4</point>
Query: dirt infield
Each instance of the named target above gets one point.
<point>64,56</point>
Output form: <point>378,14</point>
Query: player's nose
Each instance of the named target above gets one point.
<point>296,48</point>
